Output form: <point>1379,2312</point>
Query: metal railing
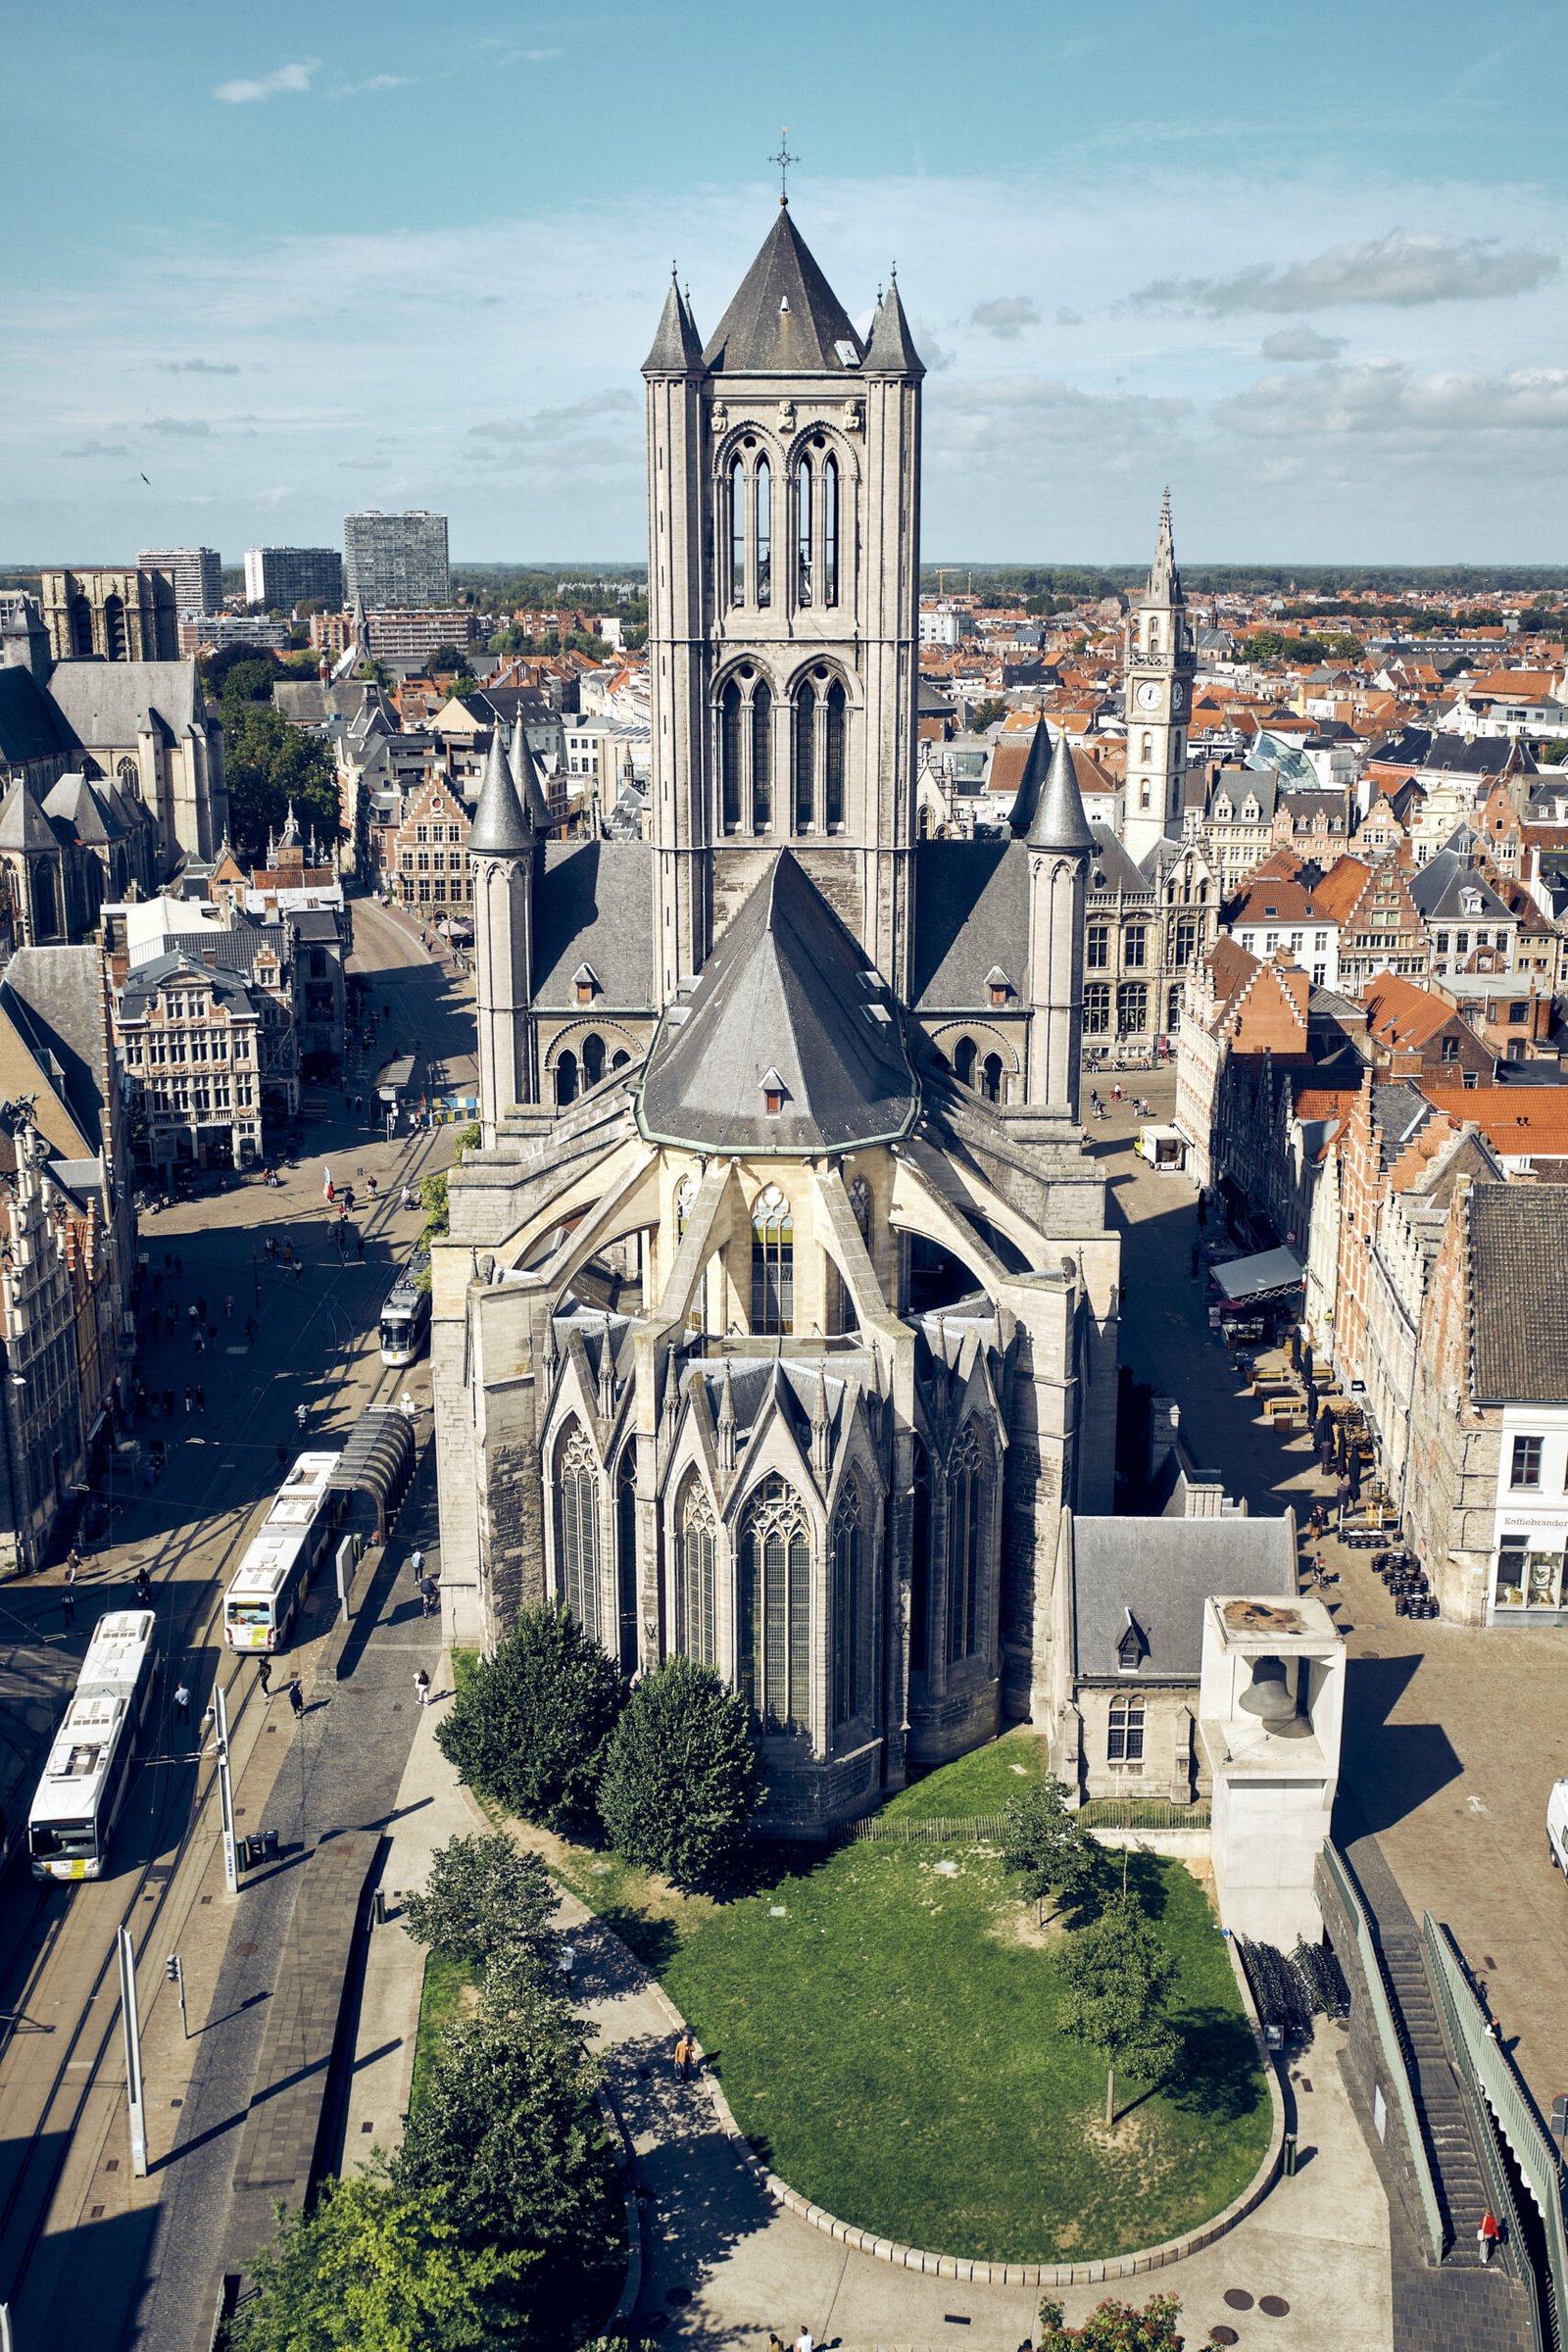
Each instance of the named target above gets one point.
<point>1395,2065</point>
<point>1142,1813</point>
<point>1501,2084</point>
<point>934,1828</point>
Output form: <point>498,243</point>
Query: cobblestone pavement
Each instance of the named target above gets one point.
<point>1453,1733</point>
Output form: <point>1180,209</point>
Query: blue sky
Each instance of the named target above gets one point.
<point>1307,265</point>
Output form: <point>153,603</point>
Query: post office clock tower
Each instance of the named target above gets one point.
<point>1160,702</point>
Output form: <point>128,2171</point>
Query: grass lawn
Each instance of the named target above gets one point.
<point>447,1982</point>
<point>884,2031</point>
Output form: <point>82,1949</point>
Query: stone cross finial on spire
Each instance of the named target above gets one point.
<point>784,158</point>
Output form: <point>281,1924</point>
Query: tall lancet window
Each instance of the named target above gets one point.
<point>806,758</point>
<point>966,1498</point>
<point>762,758</point>
<point>850,1627</point>
<point>803,533</point>
<point>731,742</point>
<point>737,532</point>
<point>577,1528</point>
<point>695,1578</point>
<point>833,721</point>
<point>764,532</point>
<point>773,1265</point>
<point>831,531</point>
<point>774,1650</point>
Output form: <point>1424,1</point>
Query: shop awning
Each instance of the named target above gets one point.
<point>1271,1274</point>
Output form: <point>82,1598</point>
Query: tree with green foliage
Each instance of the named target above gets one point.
<point>1116,1978</point>
<point>433,1201</point>
<point>531,1724</point>
<point>484,1900</point>
<point>681,1784</point>
<point>1043,1843</point>
<point>372,2268</point>
<point>447,657</point>
<point>508,2145</point>
<point>1114,2327</point>
<point>988,713</point>
<point>248,680</point>
<point>268,765</point>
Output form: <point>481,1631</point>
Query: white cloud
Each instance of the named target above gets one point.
<point>1006,316</point>
<point>1299,343</point>
<point>375,81</point>
<point>98,449</point>
<point>1382,396</point>
<point>181,428</point>
<point>1399,269</point>
<point>294,80</point>
<point>197,367</point>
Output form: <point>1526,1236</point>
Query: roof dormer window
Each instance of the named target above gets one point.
<point>585,984</point>
<point>998,984</point>
<point>1131,1647</point>
<point>773,1091</point>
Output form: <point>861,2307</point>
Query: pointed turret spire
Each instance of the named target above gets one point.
<point>820,1428</point>
<point>671,1405</point>
<point>1026,799</point>
<point>1059,822</point>
<point>678,346</point>
<point>1165,580</point>
<point>525,775</point>
<point>891,349</point>
<point>361,622</point>
<point>291,830</point>
<point>606,1373</point>
<point>500,827</point>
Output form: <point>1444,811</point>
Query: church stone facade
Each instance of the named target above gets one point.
<point>777,1319</point>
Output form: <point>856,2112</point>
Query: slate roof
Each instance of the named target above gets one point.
<point>786,990</point>
<point>891,349</point>
<point>86,810</point>
<point>54,1000</point>
<point>1059,822</point>
<point>23,822</point>
<point>972,910</point>
<point>144,983</point>
<point>594,904</point>
<point>30,727</point>
<point>785,319</point>
<point>1161,1572</point>
<point>501,827</point>
<point>107,705</point>
<point>1438,887</point>
<point>678,346</point>
<point>1112,869</point>
<point>1518,1237</point>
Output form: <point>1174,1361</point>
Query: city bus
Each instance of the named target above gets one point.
<point>87,1773</point>
<point>269,1586</point>
<point>405,1317</point>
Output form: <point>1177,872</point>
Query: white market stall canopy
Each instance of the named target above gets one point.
<point>1269,1275</point>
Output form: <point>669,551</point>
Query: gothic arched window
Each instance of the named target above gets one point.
<point>761,759</point>
<point>81,645</point>
<point>772,1264</point>
<point>851,1631</point>
<point>577,1528</point>
<point>117,645</point>
<point>730,742</point>
<point>764,532</point>
<point>806,758</point>
<point>593,1059</point>
<point>685,1203</point>
<point>803,533</point>
<point>775,1609</point>
<point>835,704</point>
<point>626,1555</point>
<point>696,1580</point>
<point>966,1502</point>
<point>566,1078</point>
<point>126,775</point>
<point>920,1556</point>
<point>1147,752</point>
<point>861,1206</point>
<point>965,1055</point>
<point>991,1078</point>
<point>737,532</point>
<point>830,530</point>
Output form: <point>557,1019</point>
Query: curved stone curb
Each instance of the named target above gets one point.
<point>631,2286</point>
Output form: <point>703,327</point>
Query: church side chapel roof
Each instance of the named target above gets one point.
<point>785,319</point>
<point>23,822</point>
<point>797,1383</point>
<point>595,907</point>
<point>109,704</point>
<point>86,810</point>
<point>787,992</point>
<point>1159,1572</point>
<point>971,911</point>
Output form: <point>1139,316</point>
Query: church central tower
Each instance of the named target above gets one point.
<point>784,499</point>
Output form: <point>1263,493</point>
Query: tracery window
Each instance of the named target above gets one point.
<point>966,1499</point>
<point>764,532</point>
<point>775,1609</point>
<point>851,1632</point>
<point>803,533</point>
<point>820,747</point>
<point>861,1206</point>
<point>920,1556</point>
<point>745,753</point>
<point>685,1203</point>
<point>626,1555</point>
<point>830,530</point>
<point>577,1528</point>
<point>737,532</point>
<point>696,1580</point>
<point>772,1264</point>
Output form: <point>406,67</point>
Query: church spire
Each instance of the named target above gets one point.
<point>1165,580</point>
<point>1059,822</point>
<point>678,346</point>
<point>525,775</point>
<point>891,349</point>
<point>501,827</point>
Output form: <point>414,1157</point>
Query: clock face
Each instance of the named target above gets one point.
<point>1149,695</point>
<point>1177,700</point>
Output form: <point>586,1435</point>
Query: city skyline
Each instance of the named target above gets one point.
<point>349,272</point>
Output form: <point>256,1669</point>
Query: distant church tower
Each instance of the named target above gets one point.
<point>783,608</point>
<point>1160,702</point>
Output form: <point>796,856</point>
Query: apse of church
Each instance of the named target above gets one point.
<point>760,1334</point>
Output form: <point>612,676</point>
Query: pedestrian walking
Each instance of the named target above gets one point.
<point>408,1406</point>
<point>190,1314</point>
<point>1488,2234</point>
<point>301,1416</point>
<point>201,1345</point>
<point>296,1698</point>
<point>67,1604</point>
<point>421,1688</point>
<point>190,1399</point>
<point>142,1586</point>
<point>417,1565</point>
<point>683,2056</point>
<point>776,2342</point>
<point>265,1676</point>
<point>182,1701</point>
<point>73,1565</point>
<point>805,2341</point>
<point>228,1306</point>
<point>429,1593</point>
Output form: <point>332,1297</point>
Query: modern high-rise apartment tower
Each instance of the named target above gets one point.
<point>281,578</point>
<point>196,571</point>
<point>395,559</point>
